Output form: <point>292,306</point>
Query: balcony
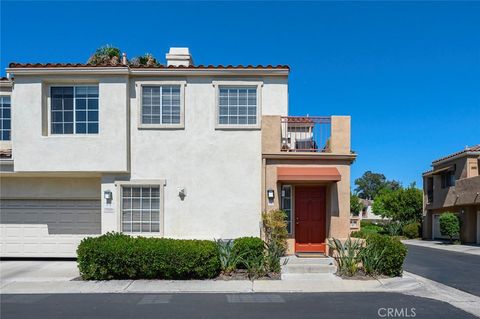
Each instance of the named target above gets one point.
<point>306,136</point>
<point>305,133</point>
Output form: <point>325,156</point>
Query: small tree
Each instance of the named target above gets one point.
<point>403,205</point>
<point>355,205</point>
<point>449,225</point>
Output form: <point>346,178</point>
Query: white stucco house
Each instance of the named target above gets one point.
<point>175,150</point>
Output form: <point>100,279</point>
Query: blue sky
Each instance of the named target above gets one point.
<point>407,72</point>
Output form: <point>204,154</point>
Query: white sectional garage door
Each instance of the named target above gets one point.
<point>46,228</point>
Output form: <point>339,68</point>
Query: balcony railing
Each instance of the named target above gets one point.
<point>305,133</point>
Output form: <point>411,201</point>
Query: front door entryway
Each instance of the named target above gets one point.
<point>310,216</point>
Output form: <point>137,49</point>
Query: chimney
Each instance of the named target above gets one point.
<point>124,58</point>
<point>179,57</point>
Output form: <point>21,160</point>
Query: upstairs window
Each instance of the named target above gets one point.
<point>161,105</point>
<point>237,106</point>
<point>448,179</point>
<point>5,118</point>
<point>74,110</point>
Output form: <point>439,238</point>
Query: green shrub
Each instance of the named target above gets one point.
<point>275,229</point>
<point>393,228</point>
<point>359,234</point>
<point>390,252</point>
<point>250,248</point>
<point>449,225</point>
<point>119,256</point>
<point>411,230</point>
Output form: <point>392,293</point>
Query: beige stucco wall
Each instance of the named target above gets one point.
<point>220,169</point>
<point>49,188</point>
<point>36,151</point>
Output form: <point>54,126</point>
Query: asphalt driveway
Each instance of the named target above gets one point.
<point>457,270</point>
<point>258,305</point>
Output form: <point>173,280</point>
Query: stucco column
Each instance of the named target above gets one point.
<point>340,135</point>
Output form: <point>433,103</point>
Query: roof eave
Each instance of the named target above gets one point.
<point>448,159</point>
<point>145,71</point>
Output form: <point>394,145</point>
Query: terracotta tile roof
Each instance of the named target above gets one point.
<point>5,153</point>
<point>85,65</point>
<point>475,148</point>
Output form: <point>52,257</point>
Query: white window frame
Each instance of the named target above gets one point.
<point>238,84</point>
<point>49,109</point>
<point>142,183</point>
<point>9,140</point>
<point>139,90</point>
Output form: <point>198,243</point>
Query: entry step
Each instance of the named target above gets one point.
<point>293,266</point>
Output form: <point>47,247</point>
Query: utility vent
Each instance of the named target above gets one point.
<point>179,57</point>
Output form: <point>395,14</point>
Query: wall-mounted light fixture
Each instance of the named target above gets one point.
<point>270,194</point>
<point>182,193</point>
<point>108,196</point>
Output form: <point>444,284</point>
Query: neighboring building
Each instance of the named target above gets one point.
<point>453,185</point>
<point>367,212</point>
<point>178,151</point>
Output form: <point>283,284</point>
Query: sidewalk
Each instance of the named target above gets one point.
<point>437,244</point>
<point>58,277</point>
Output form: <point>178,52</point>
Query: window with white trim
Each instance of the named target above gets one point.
<point>140,208</point>
<point>161,104</point>
<point>5,118</point>
<point>74,109</point>
<point>237,105</point>
<point>287,205</point>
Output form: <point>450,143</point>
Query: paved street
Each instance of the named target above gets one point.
<point>457,270</point>
<point>316,305</point>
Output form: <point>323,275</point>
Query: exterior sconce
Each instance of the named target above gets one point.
<point>108,196</point>
<point>182,193</point>
<point>270,196</point>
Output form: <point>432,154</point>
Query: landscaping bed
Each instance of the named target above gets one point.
<point>120,256</point>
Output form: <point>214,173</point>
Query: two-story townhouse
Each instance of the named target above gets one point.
<point>453,185</point>
<point>176,150</point>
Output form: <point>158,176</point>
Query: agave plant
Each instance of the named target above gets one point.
<point>228,258</point>
<point>347,255</point>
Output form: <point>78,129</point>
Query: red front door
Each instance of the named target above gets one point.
<point>310,215</point>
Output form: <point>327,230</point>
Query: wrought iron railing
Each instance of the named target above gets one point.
<point>305,133</point>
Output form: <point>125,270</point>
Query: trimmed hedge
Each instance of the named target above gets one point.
<point>119,256</point>
<point>393,254</point>
<point>250,249</point>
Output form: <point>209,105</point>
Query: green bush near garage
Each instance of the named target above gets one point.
<point>119,256</point>
<point>411,230</point>
<point>249,248</point>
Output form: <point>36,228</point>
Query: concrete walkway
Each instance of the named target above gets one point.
<point>43,277</point>
<point>437,244</point>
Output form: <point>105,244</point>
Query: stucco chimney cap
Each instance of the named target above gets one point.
<point>179,57</point>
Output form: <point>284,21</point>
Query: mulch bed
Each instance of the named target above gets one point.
<point>241,274</point>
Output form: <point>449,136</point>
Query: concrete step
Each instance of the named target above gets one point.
<point>294,260</point>
<point>309,269</point>
<point>293,265</point>
<point>309,277</point>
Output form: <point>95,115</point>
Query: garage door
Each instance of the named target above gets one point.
<point>436,228</point>
<point>46,228</point>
